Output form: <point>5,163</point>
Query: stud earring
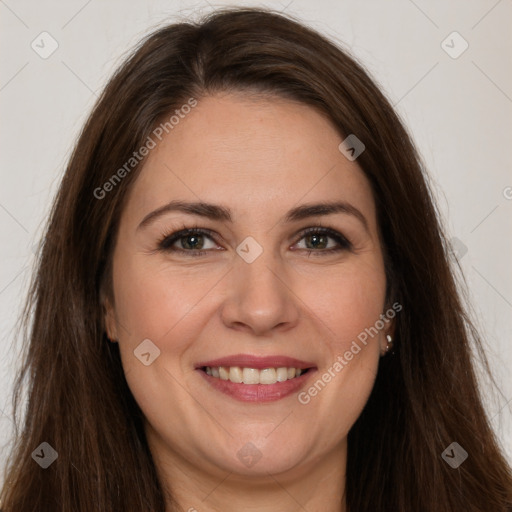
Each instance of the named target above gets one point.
<point>389,345</point>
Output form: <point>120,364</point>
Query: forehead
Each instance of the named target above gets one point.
<point>257,155</point>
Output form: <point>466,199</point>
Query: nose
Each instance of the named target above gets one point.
<point>258,298</point>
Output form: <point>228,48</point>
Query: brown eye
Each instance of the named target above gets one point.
<point>191,241</point>
<point>318,240</point>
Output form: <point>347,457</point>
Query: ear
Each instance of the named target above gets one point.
<point>109,318</point>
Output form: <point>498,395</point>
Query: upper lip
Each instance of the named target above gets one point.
<point>258,362</point>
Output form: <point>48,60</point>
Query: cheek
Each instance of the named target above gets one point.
<point>170,306</point>
<point>161,305</point>
<point>350,303</point>
<point>152,301</point>
<point>350,306</point>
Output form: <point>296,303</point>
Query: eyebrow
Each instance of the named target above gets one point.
<point>221,213</point>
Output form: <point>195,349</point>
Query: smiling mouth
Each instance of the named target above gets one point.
<point>243,375</point>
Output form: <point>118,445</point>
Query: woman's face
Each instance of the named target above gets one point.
<point>250,292</point>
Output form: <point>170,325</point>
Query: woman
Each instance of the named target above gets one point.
<point>244,299</point>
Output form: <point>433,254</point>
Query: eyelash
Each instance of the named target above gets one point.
<point>167,240</point>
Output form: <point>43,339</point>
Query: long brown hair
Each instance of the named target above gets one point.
<point>425,396</point>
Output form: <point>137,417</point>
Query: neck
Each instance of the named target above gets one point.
<point>316,485</point>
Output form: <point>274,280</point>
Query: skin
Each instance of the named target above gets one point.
<point>260,157</point>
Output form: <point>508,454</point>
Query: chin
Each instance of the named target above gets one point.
<point>260,457</point>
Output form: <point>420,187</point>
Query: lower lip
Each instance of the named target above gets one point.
<point>257,392</point>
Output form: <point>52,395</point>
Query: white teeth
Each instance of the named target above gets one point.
<point>282,374</point>
<point>250,376</point>
<point>253,375</point>
<point>235,374</point>
<point>268,376</point>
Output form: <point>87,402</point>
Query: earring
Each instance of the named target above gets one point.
<point>389,345</point>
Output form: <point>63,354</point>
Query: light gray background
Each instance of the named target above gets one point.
<point>458,110</point>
